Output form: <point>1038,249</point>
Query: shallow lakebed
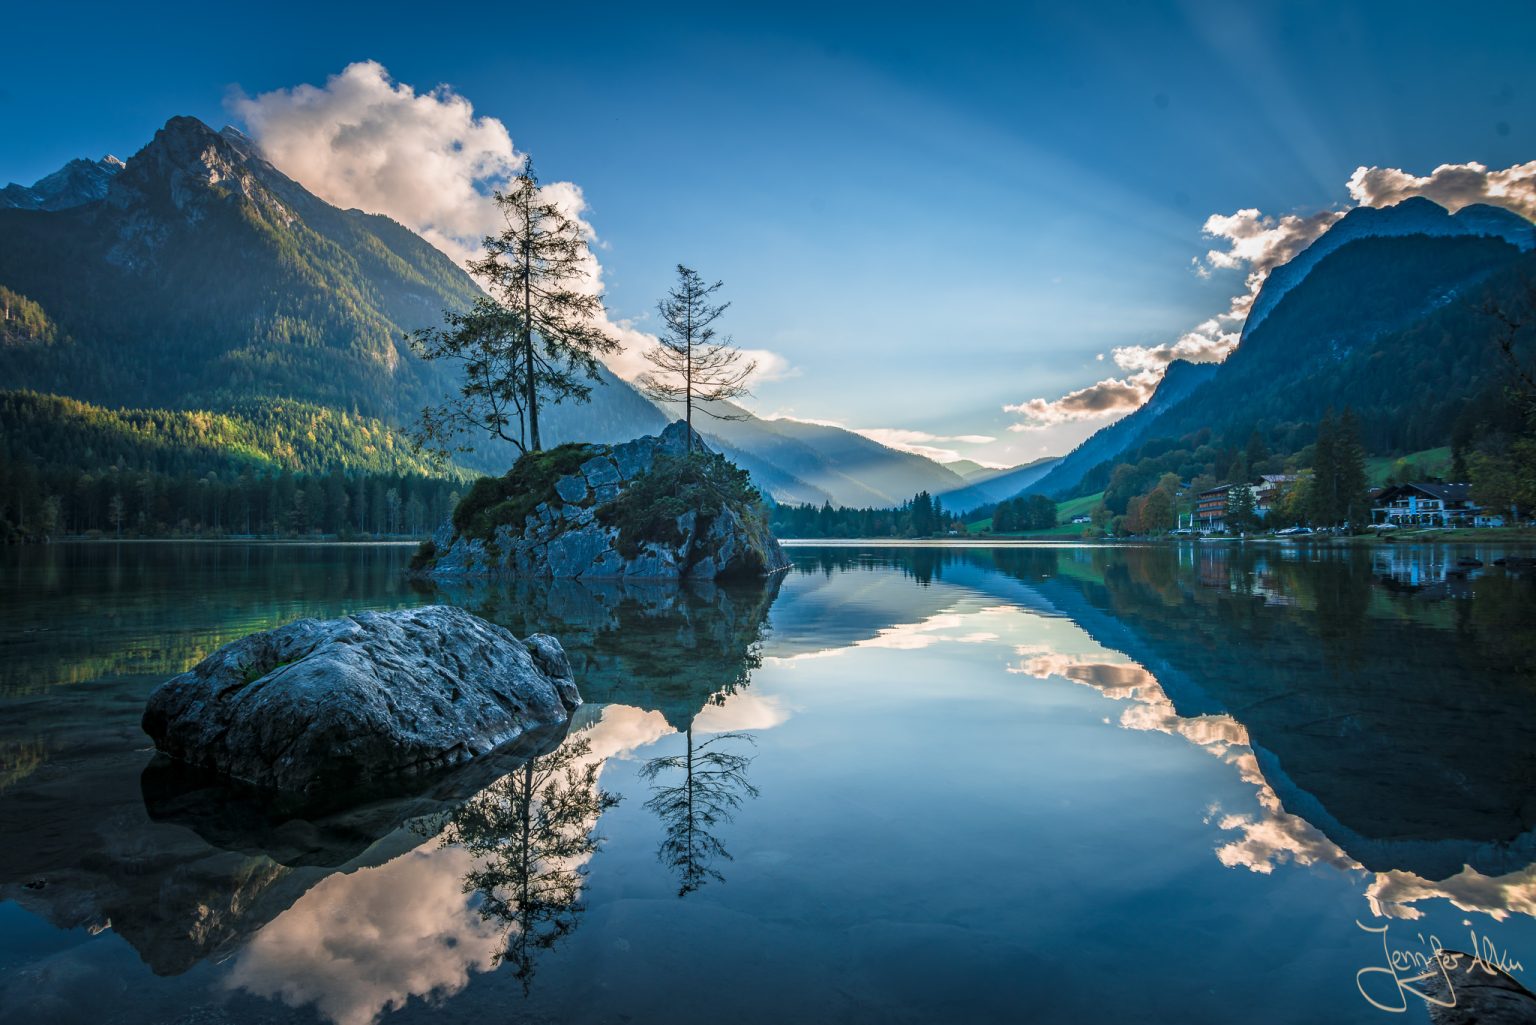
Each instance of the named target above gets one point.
<point>929,784</point>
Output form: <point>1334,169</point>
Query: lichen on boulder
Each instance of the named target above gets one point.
<point>348,702</point>
<point>651,508</point>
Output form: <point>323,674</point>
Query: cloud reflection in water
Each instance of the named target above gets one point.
<point>1273,836</point>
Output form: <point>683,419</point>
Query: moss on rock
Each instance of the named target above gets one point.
<point>507,501</point>
<point>703,483</point>
<point>653,507</point>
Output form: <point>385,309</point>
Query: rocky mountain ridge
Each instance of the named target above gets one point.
<point>78,182</point>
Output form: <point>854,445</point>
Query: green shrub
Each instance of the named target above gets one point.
<point>506,501</point>
<point>426,555</point>
<point>703,482</point>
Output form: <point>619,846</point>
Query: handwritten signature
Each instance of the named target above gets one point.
<point>1417,973</point>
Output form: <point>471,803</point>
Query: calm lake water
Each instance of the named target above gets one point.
<point>931,785</point>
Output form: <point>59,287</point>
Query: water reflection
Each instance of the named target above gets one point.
<point>1273,837</point>
<point>687,652</point>
<point>1400,727</point>
<point>192,868</point>
<point>693,794</point>
<point>1385,721</point>
<point>1372,712</point>
<point>530,835</point>
<point>665,659</point>
<point>672,648</point>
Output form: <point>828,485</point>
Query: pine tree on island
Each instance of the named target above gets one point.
<point>693,363</point>
<point>536,336</point>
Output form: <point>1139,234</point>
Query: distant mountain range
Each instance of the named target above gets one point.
<point>990,486</point>
<point>1383,314</point>
<point>76,183</point>
<point>199,276</point>
<point>801,462</point>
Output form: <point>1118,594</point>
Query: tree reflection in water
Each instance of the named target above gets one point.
<point>711,788</point>
<point>531,834</point>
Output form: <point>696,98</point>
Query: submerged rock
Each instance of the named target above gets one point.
<point>1466,990</point>
<point>347,702</point>
<point>576,512</point>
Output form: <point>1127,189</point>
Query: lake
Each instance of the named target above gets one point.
<point>928,784</point>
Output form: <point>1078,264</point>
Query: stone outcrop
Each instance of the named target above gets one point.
<point>565,536</point>
<point>347,702</point>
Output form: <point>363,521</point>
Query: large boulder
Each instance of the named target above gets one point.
<point>347,702</point>
<point>570,513</point>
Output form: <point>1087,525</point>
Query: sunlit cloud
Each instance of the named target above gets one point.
<point>368,142</point>
<point>359,944</point>
<point>1110,397</point>
<point>631,363</point>
<point>948,627</point>
<point>1255,243</point>
<point>1453,186</point>
<point>1271,837</point>
<point>364,140</point>
<point>902,439</point>
<point>923,443</point>
<point>622,729</point>
<point>1393,894</point>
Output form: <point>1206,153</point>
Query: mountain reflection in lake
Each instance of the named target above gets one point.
<point>901,784</point>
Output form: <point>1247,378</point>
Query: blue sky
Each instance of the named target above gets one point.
<point>929,211</point>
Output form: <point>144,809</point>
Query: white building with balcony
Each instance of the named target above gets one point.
<point>1428,505</point>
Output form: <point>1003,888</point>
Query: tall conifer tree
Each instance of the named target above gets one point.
<point>536,337</point>
<point>693,364</point>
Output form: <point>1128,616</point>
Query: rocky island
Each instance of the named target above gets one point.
<point>345,702</point>
<point>654,508</point>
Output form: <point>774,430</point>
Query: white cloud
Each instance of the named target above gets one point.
<point>365,141</point>
<point>427,160</point>
<point>1256,243</point>
<point>922,443</point>
<point>1261,243</point>
<point>1453,186</point>
<point>1113,396</point>
<point>741,711</point>
<point>1251,241</point>
<point>902,439</point>
<point>1269,836</point>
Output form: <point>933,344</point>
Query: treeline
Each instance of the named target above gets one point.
<point>1330,487</point>
<point>1027,512</point>
<point>122,502</point>
<point>1449,377</point>
<point>923,516</point>
<point>275,469</point>
<point>256,434</point>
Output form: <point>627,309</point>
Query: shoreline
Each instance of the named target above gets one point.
<point>329,539</point>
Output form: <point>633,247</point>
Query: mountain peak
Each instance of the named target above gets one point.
<point>1415,215</point>
<point>186,165</point>
<point>78,182</point>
